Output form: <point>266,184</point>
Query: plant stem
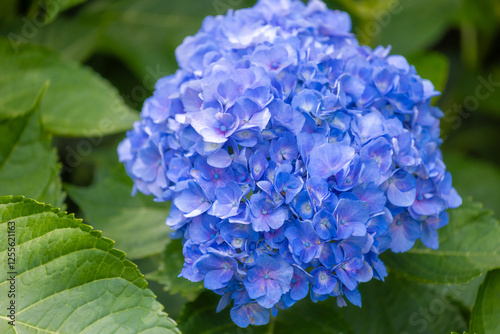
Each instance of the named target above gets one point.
<point>271,326</point>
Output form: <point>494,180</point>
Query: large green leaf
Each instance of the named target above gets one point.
<point>485,315</point>
<point>108,206</point>
<point>69,279</point>
<point>409,26</point>
<point>392,307</point>
<point>170,267</point>
<point>73,38</point>
<point>78,102</point>
<point>468,247</point>
<point>28,163</point>
<point>403,307</point>
<point>461,294</point>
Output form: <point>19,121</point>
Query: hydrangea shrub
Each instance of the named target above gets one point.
<point>292,156</point>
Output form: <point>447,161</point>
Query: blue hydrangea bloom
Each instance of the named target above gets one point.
<point>292,156</point>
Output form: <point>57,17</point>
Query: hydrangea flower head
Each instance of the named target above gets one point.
<point>292,156</point>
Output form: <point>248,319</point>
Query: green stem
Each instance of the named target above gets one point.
<point>271,326</point>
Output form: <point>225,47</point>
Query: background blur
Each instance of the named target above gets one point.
<point>131,43</point>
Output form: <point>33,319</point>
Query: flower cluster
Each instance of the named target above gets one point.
<point>292,156</point>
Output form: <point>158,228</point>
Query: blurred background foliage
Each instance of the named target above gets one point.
<point>130,44</point>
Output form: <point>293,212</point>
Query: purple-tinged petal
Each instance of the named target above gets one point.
<point>401,190</point>
<point>250,314</point>
<point>328,159</point>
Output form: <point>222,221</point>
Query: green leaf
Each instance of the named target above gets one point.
<point>401,307</point>
<point>462,294</point>
<point>468,247</point>
<point>433,66</point>
<point>73,38</point>
<point>409,26</point>
<point>78,102</point>
<point>485,315</point>
<point>109,206</point>
<point>69,279</point>
<point>170,267</point>
<point>392,307</point>
<point>28,163</point>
